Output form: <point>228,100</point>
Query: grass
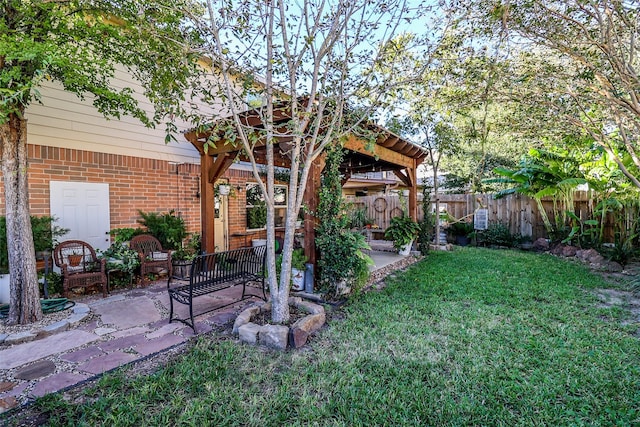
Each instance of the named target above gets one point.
<point>474,337</point>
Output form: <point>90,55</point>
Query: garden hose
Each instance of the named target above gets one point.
<point>48,306</point>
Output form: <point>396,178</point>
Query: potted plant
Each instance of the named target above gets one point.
<point>402,230</point>
<point>298,261</point>
<point>461,231</point>
<point>74,259</point>
<point>182,257</point>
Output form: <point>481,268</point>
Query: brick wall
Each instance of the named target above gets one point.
<point>135,183</point>
<point>237,209</point>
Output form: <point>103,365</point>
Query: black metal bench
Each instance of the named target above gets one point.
<point>217,271</point>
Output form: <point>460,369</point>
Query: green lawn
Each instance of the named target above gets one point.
<point>472,337</point>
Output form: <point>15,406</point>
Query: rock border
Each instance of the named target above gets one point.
<point>279,336</point>
<point>591,257</point>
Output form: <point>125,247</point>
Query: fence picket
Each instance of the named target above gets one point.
<point>518,212</point>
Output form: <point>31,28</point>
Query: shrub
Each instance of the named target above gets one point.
<point>497,234</point>
<point>169,229</point>
<point>342,261</point>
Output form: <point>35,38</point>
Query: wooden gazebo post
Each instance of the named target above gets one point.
<point>311,201</point>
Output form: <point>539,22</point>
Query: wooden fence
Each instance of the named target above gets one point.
<point>518,212</point>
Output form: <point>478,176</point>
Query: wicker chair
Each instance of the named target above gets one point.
<point>152,257</point>
<point>80,266</point>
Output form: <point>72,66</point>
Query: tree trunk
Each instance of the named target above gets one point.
<point>25,295</point>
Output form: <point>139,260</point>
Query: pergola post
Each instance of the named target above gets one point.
<point>207,205</point>
<point>413,191</point>
<point>311,201</point>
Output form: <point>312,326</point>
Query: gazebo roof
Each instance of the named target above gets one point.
<point>389,153</point>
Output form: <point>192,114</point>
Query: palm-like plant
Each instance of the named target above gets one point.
<point>554,174</point>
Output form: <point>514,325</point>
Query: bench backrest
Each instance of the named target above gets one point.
<point>219,267</point>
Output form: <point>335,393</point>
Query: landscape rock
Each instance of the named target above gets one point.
<point>310,323</point>
<point>590,254</point>
<point>39,369</point>
<point>298,337</point>
<point>249,333</point>
<point>7,403</point>
<point>20,337</point>
<point>6,386</point>
<point>613,267</point>
<point>274,336</point>
<point>569,251</point>
<point>310,307</point>
<point>244,318</point>
<point>541,244</point>
<point>53,328</point>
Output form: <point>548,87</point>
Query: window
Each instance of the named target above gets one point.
<point>257,208</point>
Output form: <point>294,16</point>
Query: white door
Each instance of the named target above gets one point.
<point>83,208</point>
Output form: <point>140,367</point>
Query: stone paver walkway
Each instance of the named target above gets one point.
<point>117,330</point>
<point>101,334</point>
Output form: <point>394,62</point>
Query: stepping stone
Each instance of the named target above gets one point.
<point>7,403</point>
<point>107,362</point>
<point>158,344</point>
<point>57,382</point>
<point>128,313</point>
<point>37,370</point>
<point>30,352</point>
<point>82,355</point>
<point>6,386</point>
<point>20,337</point>
<point>166,329</point>
<point>122,343</point>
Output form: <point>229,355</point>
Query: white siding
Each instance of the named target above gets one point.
<point>64,120</point>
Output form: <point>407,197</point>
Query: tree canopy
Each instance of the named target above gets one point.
<point>80,44</point>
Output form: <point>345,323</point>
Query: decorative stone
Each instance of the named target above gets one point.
<point>249,333</point>
<point>569,251</point>
<point>310,323</point>
<point>295,300</point>
<point>53,328</point>
<point>37,370</point>
<point>20,337</point>
<point>310,307</point>
<point>274,336</point>
<point>265,307</point>
<point>613,267</point>
<point>6,386</point>
<point>80,308</point>
<point>541,244</point>
<point>75,319</point>
<point>245,317</point>
<point>589,254</point>
<point>298,337</point>
<point>7,403</point>
<point>580,253</point>
<point>3,337</point>
<point>104,331</point>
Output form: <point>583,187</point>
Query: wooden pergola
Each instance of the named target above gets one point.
<point>389,153</point>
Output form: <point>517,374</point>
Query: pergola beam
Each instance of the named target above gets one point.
<point>360,146</point>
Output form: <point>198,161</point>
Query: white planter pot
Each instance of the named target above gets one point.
<point>5,290</point>
<point>297,280</point>
<point>406,249</point>
<point>258,242</point>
